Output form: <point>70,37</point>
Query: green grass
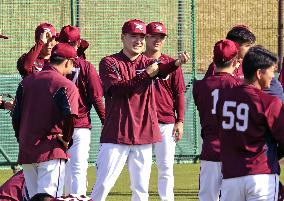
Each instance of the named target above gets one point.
<point>186,183</point>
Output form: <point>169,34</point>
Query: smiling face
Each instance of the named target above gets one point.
<point>46,50</point>
<point>133,44</point>
<point>265,76</point>
<point>155,42</point>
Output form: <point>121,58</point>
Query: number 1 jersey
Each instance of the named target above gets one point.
<point>206,94</point>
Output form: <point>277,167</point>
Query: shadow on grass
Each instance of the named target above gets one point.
<point>182,193</point>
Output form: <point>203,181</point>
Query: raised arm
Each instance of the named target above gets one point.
<point>114,84</point>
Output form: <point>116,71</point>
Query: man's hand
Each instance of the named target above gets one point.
<point>64,143</point>
<point>9,105</point>
<point>152,70</point>
<point>45,36</point>
<point>182,58</point>
<point>178,131</point>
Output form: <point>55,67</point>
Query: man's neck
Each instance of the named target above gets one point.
<point>132,57</point>
<point>45,56</point>
<point>224,70</point>
<point>152,55</point>
<point>254,83</point>
<point>59,69</point>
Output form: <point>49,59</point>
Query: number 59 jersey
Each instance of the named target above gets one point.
<point>251,130</point>
<point>206,94</point>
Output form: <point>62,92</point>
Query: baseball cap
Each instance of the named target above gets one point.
<point>64,50</point>
<point>134,27</point>
<point>224,51</point>
<point>156,28</point>
<point>69,34</point>
<point>42,27</point>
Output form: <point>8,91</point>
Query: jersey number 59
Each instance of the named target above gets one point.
<point>238,119</point>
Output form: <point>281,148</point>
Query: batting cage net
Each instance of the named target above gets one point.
<point>192,25</point>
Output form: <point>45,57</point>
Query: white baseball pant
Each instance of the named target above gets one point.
<point>165,156</point>
<point>77,165</point>
<point>45,177</point>
<point>110,162</point>
<point>210,180</point>
<point>260,187</point>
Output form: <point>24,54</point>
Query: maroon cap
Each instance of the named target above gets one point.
<point>64,50</point>
<point>69,34</point>
<point>156,28</point>
<point>134,27</point>
<point>42,27</point>
<point>225,50</point>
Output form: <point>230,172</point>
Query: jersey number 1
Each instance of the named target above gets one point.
<point>215,94</point>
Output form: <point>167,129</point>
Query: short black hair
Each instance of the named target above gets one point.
<point>73,43</point>
<point>41,197</point>
<point>225,64</point>
<point>240,34</point>
<point>54,59</point>
<point>256,58</point>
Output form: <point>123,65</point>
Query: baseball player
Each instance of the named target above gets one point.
<point>85,77</point>
<point>39,55</point>
<point>131,125</point>
<point>245,39</point>
<point>243,36</point>
<point>225,60</point>
<point>169,95</point>
<point>44,133</point>
<point>251,130</point>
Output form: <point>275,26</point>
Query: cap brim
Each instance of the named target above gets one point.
<point>135,33</point>
<point>4,37</point>
<point>164,34</point>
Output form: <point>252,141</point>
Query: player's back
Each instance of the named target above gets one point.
<point>88,82</point>
<point>205,94</point>
<point>246,116</point>
<point>238,72</point>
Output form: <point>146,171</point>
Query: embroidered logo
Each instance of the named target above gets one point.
<point>139,26</point>
<point>159,27</point>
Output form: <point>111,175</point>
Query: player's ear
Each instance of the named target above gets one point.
<point>78,43</point>
<point>67,63</point>
<point>235,63</point>
<point>258,74</point>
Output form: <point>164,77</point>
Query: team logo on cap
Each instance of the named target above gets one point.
<point>159,27</point>
<point>138,26</point>
<point>46,29</point>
